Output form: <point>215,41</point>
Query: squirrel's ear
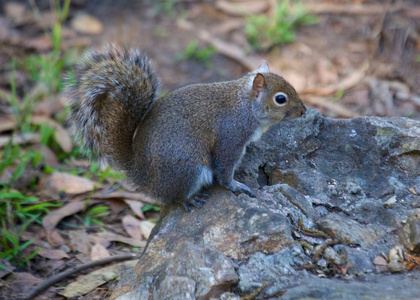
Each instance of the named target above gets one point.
<point>258,85</point>
<point>263,68</point>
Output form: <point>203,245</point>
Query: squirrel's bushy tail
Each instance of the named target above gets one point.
<point>110,94</point>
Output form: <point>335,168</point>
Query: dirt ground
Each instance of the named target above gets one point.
<point>352,62</point>
<point>361,58</point>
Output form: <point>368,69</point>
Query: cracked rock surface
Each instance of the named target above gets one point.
<point>332,195</point>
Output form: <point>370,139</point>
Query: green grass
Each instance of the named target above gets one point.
<point>200,54</point>
<point>264,31</point>
<point>20,208</point>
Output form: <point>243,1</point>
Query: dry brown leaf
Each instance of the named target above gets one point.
<point>19,139</point>
<point>40,43</point>
<point>116,205</point>
<point>54,217</point>
<point>132,227</point>
<point>229,25</point>
<point>56,239</point>
<point>7,124</point>
<point>136,207</point>
<point>351,9</point>
<point>79,240</point>
<point>146,228</point>
<point>15,12</point>
<point>87,283</point>
<point>413,191</point>
<point>61,135</point>
<point>124,195</point>
<point>87,24</point>
<point>327,74</point>
<point>6,268</point>
<point>227,49</point>
<point>122,239</point>
<point>69,184</point>
<point>51,159</point>
<point>98,240</point>
<point>337,108</point>
<point>243,8</point>
<point>99,251</point>
<point>53,254</point>
<point>22,283</point>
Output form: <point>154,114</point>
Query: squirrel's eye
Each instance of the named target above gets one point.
<point>280,99</point>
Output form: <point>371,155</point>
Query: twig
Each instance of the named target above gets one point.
<point>312,232</point>
<point>255,293</point>
<point>53,280</point>
<point>227,49</point>
<point>337,108</point>
<point>320,250</point>
<point>351,9</point>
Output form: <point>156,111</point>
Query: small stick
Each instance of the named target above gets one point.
<point>321,249</point>
<point>255,293</point>
<point>53,280</point>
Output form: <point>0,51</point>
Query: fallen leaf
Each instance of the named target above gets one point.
<point>86,24</point>
<point>6,268</point>
<point>53,254</point>
<point>146,228</point>
<point>61,135</point>
<point>327,74</point>
<point>51,159</point>
<point>79,240</point>
<point>19,139</point>
<point>132,227</point>
<point>116,205</point>
<point>7,124</point>
<point>122,239</point>
<point>22,283</point>
<point>51,220</point>
<point>99,251</point>
<point>124,195</point>
<point>136,207</point>
<point>243,8</point>
<point>98,240</point>
<point>87,283</point>
<point>40,43</point>
<point>56,239</point>
<point>69,184</point>
<point>15,12</point>
<point>413,191</point>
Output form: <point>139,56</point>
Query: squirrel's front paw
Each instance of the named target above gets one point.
<point>236,186</point>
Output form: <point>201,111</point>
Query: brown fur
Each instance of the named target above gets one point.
<point>173,146</point>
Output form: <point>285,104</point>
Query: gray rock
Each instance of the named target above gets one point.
<point>410,235</point>
<point>373,288</point>
<point>349,232</point>
<point>175,287</point>
<point>279,270</point>
<point>335,176</point>
<point>333,256</point>
<point>358,259</point>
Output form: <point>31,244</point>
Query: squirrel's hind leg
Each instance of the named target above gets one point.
<point>204,178</point>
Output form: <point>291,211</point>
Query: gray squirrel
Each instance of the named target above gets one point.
<point>172,147</point>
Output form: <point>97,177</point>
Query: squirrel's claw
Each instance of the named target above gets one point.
<point>236,186</point>
<point>187,206</point>
<point>197,201</point>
